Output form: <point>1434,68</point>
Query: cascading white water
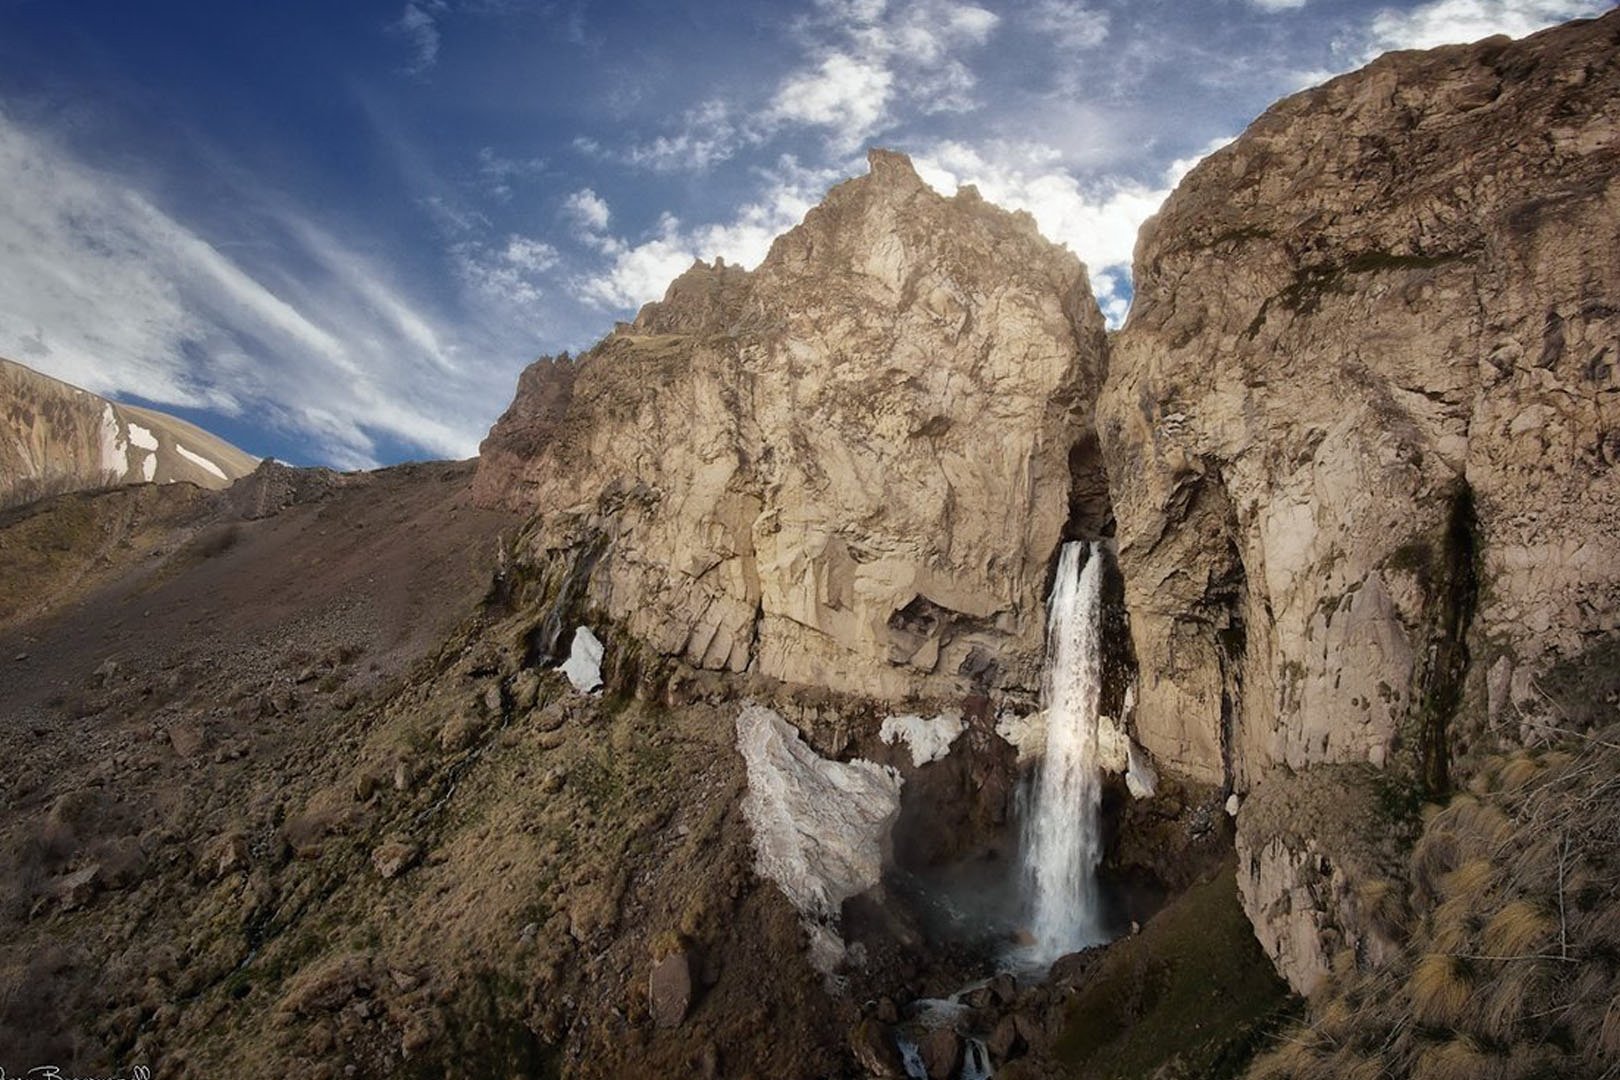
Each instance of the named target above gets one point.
<point>1062,841</point>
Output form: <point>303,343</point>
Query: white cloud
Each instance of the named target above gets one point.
<point>642,271</point>
<point>1098,220</point>
<point>509,275</point>
<point>1180,167</point>
<point>418,24</point>
<point>1447,22</point>
<point>111,292</point>
<point>1278,5</point>
<point>529,255</point>
<point>709,134</point>
<point>867,57</point>
<point>1070,24</point>
<point>588,210</point>
<point>847,95</point>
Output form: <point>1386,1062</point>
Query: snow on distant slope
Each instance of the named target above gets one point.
<point>141,437</point>
<point>199,460</point>
<point>55,438</point>
<point>114,449</point>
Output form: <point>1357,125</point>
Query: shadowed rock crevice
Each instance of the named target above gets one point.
<point>1452,587</point>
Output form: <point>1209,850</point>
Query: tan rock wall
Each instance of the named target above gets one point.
<point>1393,301</point>
<point>848,468</point>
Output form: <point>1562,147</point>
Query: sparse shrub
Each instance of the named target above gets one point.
<point>1512,970</point>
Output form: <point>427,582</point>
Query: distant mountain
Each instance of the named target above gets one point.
<point>56,437</point>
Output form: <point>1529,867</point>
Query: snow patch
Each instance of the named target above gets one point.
<point>819,826</point>
<point>584,664</point>
<point>1026,734</point>
<point>930,738</point>
<point>149,467</point>
<point>1141,778</point>
<point>1117,752</point>
<point>114,448</point>
<point>200,461</point>
<point>139,436</point>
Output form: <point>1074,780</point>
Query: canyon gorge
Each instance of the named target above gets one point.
<point>867,664</point>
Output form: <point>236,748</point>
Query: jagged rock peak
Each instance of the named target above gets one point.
<point>704,299</point>
<point>892,169</point>
<point>846,468</point>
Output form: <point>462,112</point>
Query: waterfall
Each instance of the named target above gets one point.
<point>1062,841</point>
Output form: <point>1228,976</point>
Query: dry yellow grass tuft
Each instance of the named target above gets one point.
<point>1482,826</point>
<point>1352,1067</point>
<point>1609,1032</point>
<point>1469,882</point>
<point>1510,997</point>
<point>1335,1020</point>
<point>1384,904</point>
<point>1458,1059</point>
<point>1518,771</point>
<point>1519,929</point>
<point>1440,987</point>
<point>1452,926</point>
<point>1509,972</point>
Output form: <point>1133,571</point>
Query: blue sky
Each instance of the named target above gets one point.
<point>335,232</point>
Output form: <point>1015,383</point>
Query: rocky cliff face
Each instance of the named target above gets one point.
<point>55,437</point>
<point>848,468</point>
<point>1362,426</point>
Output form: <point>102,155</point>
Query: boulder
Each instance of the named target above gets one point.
<point>393,857</point>
<point>872,1044</point>
<point>942,1051</point>
<point>188,738</point>
<point>1005,1042</point>
<point>669,989</point>
<point>75,890</point>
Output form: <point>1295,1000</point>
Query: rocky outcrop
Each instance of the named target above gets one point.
<point>1361,429</point>
<point>848,468</point>
<point>1320,871</point>
<point>55,437</point>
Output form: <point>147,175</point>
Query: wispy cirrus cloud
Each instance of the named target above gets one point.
<point>706,135</point>
<point>103,287</point>
<point>1069,24</point>
<point>498,174</point>
<point>418,25</point>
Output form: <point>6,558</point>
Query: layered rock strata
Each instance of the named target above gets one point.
<point>848,468</point>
